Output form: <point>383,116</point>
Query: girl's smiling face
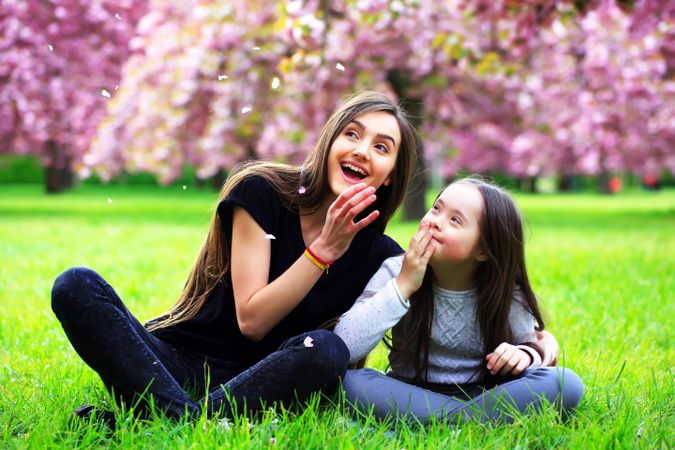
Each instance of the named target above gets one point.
<point>455,223</point>
<point>365,151</point>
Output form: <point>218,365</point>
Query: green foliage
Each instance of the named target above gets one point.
<point>20,169</point>
<point>602,266</point>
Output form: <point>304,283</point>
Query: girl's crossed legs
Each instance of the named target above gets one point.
<point>387,396</point>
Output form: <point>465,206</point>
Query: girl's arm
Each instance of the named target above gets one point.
<point>513,359</point>
<point>385,299</point>
<point>260,305</point>
<point>379,308</point>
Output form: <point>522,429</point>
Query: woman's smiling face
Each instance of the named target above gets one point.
<point>365,151</point>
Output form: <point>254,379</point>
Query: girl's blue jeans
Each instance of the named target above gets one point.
<point>136,366</point>
<point>367,390</point>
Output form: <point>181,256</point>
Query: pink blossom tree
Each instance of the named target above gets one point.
<point>60,62</point>
<point>210,84</point>
<point>596,96</point>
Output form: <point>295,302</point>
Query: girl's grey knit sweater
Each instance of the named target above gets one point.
<point>456,345</point>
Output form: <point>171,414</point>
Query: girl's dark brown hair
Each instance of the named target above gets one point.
<point>496,279</point>
<point>213,261</point>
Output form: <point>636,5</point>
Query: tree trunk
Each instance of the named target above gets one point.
<point>528,184</point>
<point>603,183</point>
<point>218,179</point>
<point>566,183</point>
<point>414,204</point>
<point>59,175</point>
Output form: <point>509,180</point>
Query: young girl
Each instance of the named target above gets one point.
<point>242,328</point>
<point>464,318</point>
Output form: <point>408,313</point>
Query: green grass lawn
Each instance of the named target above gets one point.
<point>603,267</point>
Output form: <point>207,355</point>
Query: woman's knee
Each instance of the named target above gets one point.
<point>71,288</point>
<point>329,353</point>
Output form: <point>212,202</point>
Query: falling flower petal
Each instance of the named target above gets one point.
<point>269,236</point>
<point>308,342</point>
<point>302,190</point>
<point>246,109</point>
<point>118,16</point>
<point>117,86</point>
<point>275,82</point>
<point>340,67</point>
<point>109,201</point>
<point>51,49</point>
<point>222,77</point>
<point>184,187</point>
<point>255,48</point>
<point>105,93</point>
<point>225,423</point>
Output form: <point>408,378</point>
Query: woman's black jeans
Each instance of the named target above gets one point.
<point>134,364</point>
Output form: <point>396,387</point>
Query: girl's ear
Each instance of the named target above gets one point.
<point>387,182</point>
<point>481,256</point>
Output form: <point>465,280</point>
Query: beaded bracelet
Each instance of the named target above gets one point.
<point>318,262</point>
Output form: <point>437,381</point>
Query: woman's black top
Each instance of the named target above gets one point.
<point>214,332</point>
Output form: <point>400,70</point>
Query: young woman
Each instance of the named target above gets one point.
<point>464,319</point>
<point>289,248</point>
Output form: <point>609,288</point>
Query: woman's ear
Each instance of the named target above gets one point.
<point>481,256</point>
<point>387,182</point>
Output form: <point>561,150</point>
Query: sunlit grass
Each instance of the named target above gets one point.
<point>603,267</point>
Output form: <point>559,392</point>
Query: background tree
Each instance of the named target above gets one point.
<point>211,84</point>
<point>59,60</point>
<point>526,88</point>
<point>596,96</point>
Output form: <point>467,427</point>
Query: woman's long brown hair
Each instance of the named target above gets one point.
<point>213,260</point>
<point>496,280</point>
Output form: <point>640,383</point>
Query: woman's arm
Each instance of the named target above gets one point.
<point>261,305</point>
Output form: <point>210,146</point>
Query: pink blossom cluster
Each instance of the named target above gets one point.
<point>596,97</point>
<point>60,62</point>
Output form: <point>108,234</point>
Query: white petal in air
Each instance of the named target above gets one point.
<point>275,82</point>
<point>269,236</point>
<point>184,187</point>
<point>340,67</point>
<point>255,48</point>
<point>302,190</point>
<point>246,109</point>
<point>118,16</point>
<point>308,342</point>
<point>105,93</point>
<point>222,77</point>
<point>51,49</point>
<point>109,201</point>
<point>225,424</point>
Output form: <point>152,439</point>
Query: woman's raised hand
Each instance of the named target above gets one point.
<point>340,228</point>
<point>415,261</point>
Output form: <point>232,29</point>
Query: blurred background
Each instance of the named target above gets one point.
<point>544,95</point>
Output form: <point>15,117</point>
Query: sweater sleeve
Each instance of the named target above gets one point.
<point>379,308</point>
<point>521,321</point>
